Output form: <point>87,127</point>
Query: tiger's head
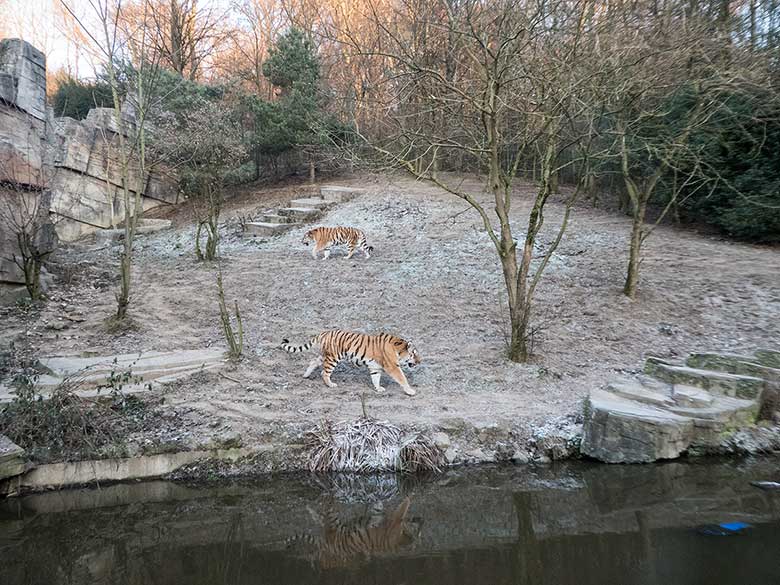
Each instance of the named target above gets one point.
<point>306,237</point>
<point>411,355</point>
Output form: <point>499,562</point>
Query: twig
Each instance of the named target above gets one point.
<point>231,379</point>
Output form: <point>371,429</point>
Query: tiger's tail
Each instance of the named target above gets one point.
<point>298,348</point>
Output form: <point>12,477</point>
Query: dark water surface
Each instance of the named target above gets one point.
<point>564,524</point>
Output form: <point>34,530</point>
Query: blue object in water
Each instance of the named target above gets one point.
<point>724,529</point>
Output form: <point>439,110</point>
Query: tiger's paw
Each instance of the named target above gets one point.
<point>409,391</point>
<point>331,385</point>
<point>380,389</point>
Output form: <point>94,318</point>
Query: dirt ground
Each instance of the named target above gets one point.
<point>434,279</point>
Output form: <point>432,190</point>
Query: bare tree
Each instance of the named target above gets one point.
<point>494,82</point>
<point>670,81</point>
<point>130,116</point>
<point>24,215</point>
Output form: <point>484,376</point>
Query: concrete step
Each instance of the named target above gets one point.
<point>340,194</point>
<point>300,213</point>
<point>734,385</point>
<point>274,218</point>
<point>311,202</point>
<point>255,229</point>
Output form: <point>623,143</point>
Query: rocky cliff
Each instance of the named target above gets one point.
<point>72,164</point>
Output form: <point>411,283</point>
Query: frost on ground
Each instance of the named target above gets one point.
<point>435,279</point>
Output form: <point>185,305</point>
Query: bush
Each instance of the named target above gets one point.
<point>739,149</point>
<point>75,98</point>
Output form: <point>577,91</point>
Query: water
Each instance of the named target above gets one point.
<point>565,524</point>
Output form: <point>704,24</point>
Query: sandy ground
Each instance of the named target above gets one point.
<point>434,279</point>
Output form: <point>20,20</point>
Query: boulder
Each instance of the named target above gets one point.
<point>621,430</point>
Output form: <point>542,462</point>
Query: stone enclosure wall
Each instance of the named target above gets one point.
<point>72,164</point>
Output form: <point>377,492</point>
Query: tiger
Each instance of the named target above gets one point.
<point>326,237</point>
<point>342,543</point>
<point>377,352</point>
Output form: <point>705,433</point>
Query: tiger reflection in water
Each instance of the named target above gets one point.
<point>356,541</point>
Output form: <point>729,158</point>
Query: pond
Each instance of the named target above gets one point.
<point>573,523</point>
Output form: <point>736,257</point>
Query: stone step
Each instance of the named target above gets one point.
<point>744,365</point>
<point>691,396</point>
<point>340,194</point>
<point>255,229</point>
<point>11,458</point>
<point>748,387</point>
<point>733,411</point>
<point>91,372</point>
<point>274,218</point>
<point>768,357</point>
<point>300,213</point>
<point>633,390</point>
<point>620,430</point>
<point>145,226</point>
<point>311,202</point>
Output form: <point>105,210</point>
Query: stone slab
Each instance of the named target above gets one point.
<point>57,475</point>
<point>768,357</point>
<point>145,226</point>
<point>153,368</point>
<point>311,202</point>
<point>275,218</point>
<point>340,194</point>
<point>619,430</point>
<point>300,213</point>
<point>11,458</point>
<point>636,391</point>
<point>265,229</point>
<point>744,365</point>
<point>727,384</point>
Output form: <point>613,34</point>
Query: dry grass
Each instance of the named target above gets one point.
<point>366,445</point>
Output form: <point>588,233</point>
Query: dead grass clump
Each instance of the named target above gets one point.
<point>67,426</point>
<point>367,445</point>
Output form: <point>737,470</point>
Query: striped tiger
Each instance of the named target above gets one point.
<point>326,237</point>
<point>377,352</point>
<point>342,543</point>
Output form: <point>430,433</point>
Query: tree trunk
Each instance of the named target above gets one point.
<point>311,172</point>
<point>635,250</point>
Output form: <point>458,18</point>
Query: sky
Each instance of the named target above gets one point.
<point>47,26</point>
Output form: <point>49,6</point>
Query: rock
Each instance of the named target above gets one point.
<point>503,452</point>
<point>478,456</point>
<point>520,457</point>
<point>300,213</point>
<point>619,430</point>
<point>23,77</point>
<point>441,440</point>
<point>451,455</point>
<point>11,458</point>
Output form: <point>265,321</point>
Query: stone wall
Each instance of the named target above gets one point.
<point>23,139</point>
<point>75,161</point>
